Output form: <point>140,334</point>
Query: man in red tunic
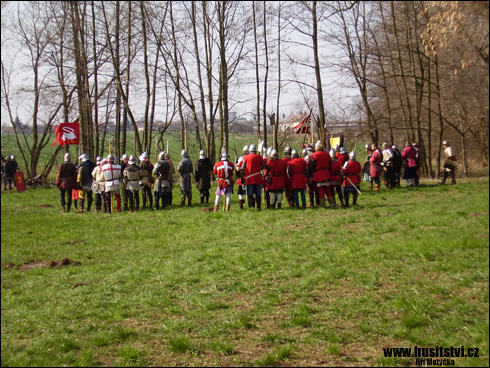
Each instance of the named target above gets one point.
<point>224,171</point>
<point>312,189</point>
<point>276,171</point>
<point>319,166</point>
<point>343,157</point>
<point>240,180</point>
<point>297,172</point>
<point>286,159</point>
<point>253,165</point>
<point>376,169</point>
<point>335,177</point>
<point>351,170</point>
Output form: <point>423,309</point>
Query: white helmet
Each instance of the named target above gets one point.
<point>252,148</point>
<point>332,153</point>
<point>304,152</point>
<point>161,155</point>
<point>343,151</point>
<point>336,147</point>
<point>12,157</point>
<point>202,154</point>
<point>245,148</point>
<point>132,160</point>
<point>98,160</point>
<point>143,156</point>
<point>352,155</point>
<point>318,146</point>
<point>83,157</point>
<point>367,146</point>
<point>309,148</point>
<point>224,156</point>
<point>274,153</point>
<point>394,147</point>
<point>67,157</point>
<point>445,143</point>
<point>295,154</point>
<point>184,153</point>
<point>110,158</point>
<point>124,157</point>
<point>269,151</point>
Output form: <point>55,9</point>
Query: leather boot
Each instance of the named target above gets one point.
<point>240,203</point>
<point>251,202</point>
<point>89,204</point>
<point>189,200</point>
<point>81,204</point>
<point>377,187</point>
<point>258,202</point>
<point>215,208</point>
<point>97,209</point>
<point>182,201</point>
<point>68,206</point>
<point>331,201</point>
<point>354,199</point>
<point>63,210</point>
<point>322,202</point>
<point>279,205</point>
<point>227,208</point>
<point>371,184</point>
<point>273,206</point>
<point>346,200</point>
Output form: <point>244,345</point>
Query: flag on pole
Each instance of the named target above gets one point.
<point>304,126</point>
<point>67,133</point>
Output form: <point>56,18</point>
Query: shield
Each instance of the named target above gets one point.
<point>95,186</point>
<point>19,181</point>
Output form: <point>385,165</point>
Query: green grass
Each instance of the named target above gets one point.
<point>285,287</point>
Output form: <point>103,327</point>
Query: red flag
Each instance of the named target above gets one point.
<point>67,133</point>
<point>304,126</point>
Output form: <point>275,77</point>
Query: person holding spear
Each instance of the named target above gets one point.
<point>352,179</point>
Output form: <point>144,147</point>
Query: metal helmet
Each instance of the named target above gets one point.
<point>352,155</point>
<point>184,153</point>
<point>83,157</point>
<point>161,156</point>
<point>385,145</point>
<point>202,154</point>
<point>332,153</point>
<point>110,158</point>
<point>224,156</point>
<point>294,153</point>
<point>414,144</point>
<point>318,146</point>
<point>98,160</point>
<point>252,148</point>
<point>287,150</point>
<point>445,143</point>
<point>12,157</point>
<point>167,155</point>
<point>125,157</point>
<point>336,147</point>
<point>269,151</point>
<point>245,148</point>
<point>343,151</point>
<point>367,146</point>
<point>310,148</point>
<point>103,161</point>
<point>67,157</point>
<point>274,153</point>
<point>304,152</point>
<point>132,160</point>
<point>394,147</point>
<point>143,156</point>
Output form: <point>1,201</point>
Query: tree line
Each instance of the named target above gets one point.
<point>418,71</point>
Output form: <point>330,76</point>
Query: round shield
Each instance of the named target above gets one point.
<point>95,186</point>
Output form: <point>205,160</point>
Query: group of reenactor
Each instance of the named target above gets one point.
<point>324,175</point>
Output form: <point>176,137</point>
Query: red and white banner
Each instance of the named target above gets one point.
<point>304,126</point>
<point>67,133</point>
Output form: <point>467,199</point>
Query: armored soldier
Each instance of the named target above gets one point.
<point>85,179</point>
<point>287,191</point>
<point>318,165</point>
<point>352,179</point>
<point>171,174</point>
<point>252,167</point>
<point>343,157</point>
<point>376,169</point>
<point>241,180</point>
<point>387,163</point>
<point>276,171</point>
<point>224,171</point>
<point>397,164</point>
<point>409,154</point>
<point>133,174</point>
<point>185,168</point>
<point>163,187</point>
<point>10,167</point>
<point>297,171</point>
<point>312,189</point>
<point>366,168</point>
<point>124,164</point>
<point>98,183</point>
<point>65,181</point>
<point>146,170</point>
<point>203,176</point>
<point>112,174</point>
<point>450,163</point>
<point>336,177</point>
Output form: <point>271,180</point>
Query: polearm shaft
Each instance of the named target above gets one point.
<point>350,181</point>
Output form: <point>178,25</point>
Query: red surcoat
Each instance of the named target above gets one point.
<point>252,165</point>
<point>352,168</point>
<point>276,169</point>
<point>296,172</point>
<point>322,159</point>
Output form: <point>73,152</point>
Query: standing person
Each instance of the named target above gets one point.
<point>387,163</point>
<point>336,176</point>
<point>185,169</point>
<point>417,164</point>
<point>450,163</point>
<point>376,169</point>
<point>224,171</point>
<point>366,168</point>
<point>312,188</point>
<point>409,154</point>
<point>85,179</point>
<point>163,187</point>
<point>10,167</point>
<point>297,171</point>
<point>242,188</point>
<point>397,164</point>
<point>343,156</point>
<point>112,174</point>
<point>133,174</point>
<point>65,181</point>
<point>124,164</point>
<point>276,171</point>
<point>266,156</point>
<point>252,167</point>
<point>203,176</point>
<point>287,191</point>
<point>319,167</point>
<point>98,188</point>
<point>171,177</point>
<point>146,170</point>
<point>352,170</point>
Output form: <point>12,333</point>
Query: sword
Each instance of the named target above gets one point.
<point>350,181</point>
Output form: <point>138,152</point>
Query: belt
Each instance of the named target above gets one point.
<point>257,173</point>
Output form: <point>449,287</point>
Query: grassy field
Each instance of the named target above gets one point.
<point>183,287</point>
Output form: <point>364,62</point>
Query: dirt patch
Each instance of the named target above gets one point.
<point>482,213</point>
<point>207,209</point>
<point>75,242</point>
<point>33,264</point>
<point>64,262</point>
<point>8,265</point>
<point>45,205</point>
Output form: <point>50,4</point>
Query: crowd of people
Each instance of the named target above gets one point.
<point>332,177</point>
